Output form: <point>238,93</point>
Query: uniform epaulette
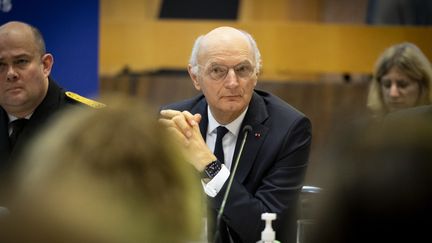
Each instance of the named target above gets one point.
<point>84,100</point>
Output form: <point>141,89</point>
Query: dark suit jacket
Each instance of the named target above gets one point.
<point>270,171</point>
<point>54,101</point>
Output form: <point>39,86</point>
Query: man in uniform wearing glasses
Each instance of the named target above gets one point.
<point>224,66</point>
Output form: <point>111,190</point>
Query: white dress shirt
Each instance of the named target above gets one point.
<point>213,187</point>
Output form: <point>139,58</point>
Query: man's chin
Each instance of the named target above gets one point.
<point>233,107</point>
<point>15,101</point>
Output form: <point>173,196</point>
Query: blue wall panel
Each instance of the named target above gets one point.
<point>71,31</point>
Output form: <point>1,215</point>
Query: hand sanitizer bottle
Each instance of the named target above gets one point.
<point>268,235</point>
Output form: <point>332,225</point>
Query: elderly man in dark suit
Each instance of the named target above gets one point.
<point>28,95</point>
<point>224,66</point>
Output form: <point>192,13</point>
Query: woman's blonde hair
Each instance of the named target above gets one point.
<point>410,60</point>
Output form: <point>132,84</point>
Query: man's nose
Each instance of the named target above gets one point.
<point>231,78</point>
<point>11,74</point>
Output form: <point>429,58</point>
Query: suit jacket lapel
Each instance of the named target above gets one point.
<point>255,116</point>
<point>4,136</point>
<point>201,108</point>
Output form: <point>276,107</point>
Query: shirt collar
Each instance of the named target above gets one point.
<point>13,118</point>
<point>233,127</point>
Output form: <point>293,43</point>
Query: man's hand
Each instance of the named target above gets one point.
<point>183,121</point>
<point>183,127</point>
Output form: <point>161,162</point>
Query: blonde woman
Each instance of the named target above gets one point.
<point>402,79</point>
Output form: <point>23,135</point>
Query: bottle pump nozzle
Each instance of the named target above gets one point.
<point>268,234</point>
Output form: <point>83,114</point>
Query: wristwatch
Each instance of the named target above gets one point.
<point>211,170</point>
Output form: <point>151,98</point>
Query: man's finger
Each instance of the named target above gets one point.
<point>183,125</point>
<point>168,114</point>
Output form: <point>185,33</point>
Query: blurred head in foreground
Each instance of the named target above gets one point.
<point>107,175</point>
<point>379,189</point>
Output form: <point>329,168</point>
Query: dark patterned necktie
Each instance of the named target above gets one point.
<point>218,151</point>
<point>17,127</point>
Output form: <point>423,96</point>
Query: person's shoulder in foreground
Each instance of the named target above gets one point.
<point>378,186</point>
<point>419,112</point>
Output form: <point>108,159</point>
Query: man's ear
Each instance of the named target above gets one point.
<point>47,63</point>
<point>256,74</point>
<point>194,78</point>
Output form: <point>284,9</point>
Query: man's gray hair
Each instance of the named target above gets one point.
<point>193,61</point>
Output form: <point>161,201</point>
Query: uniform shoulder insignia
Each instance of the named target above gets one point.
<point>84,100</point>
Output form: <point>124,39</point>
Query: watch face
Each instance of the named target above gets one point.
<point>212,169</point>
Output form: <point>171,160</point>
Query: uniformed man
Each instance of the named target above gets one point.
<point>28,95</point>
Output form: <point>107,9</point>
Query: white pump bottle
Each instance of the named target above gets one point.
<point>268,235</point>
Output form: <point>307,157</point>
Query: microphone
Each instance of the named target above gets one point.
<point>246,129</point>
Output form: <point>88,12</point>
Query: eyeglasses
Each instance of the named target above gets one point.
<point>219,72</point>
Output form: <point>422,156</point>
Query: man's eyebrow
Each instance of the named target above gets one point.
<point>22,56</point>
<point>240,63</point>
<point>214,64</point>
<point>244,62</point>
<point>17,57</point>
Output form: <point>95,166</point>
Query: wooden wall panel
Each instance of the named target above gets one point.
<point>287,48</point>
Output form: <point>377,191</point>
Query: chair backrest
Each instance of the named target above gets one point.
<point>308,202</point>
<point>308,197</point>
